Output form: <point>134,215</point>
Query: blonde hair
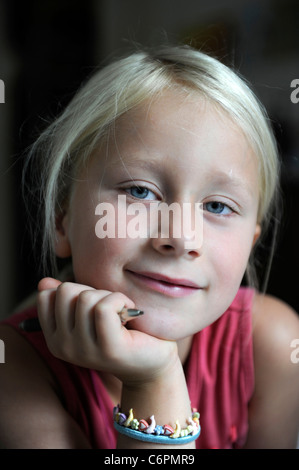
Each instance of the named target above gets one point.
<point>122,85</point>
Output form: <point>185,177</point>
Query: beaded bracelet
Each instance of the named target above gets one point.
<point>151,432</point>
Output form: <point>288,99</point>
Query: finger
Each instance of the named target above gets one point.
<point>48,283</point>
<point>67,297</point>
<point>75,300</point>
<point>107,321</point>
<point>84,314</point>
<point>45,310</point>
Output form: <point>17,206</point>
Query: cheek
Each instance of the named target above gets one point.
<point>99,262</point>
<point>97,252</point>
<point>96,256</point>
<point>230,257</point>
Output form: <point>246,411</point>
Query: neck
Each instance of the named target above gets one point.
<point>184,346</point>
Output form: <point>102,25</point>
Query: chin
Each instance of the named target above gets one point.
<point>164,329</point>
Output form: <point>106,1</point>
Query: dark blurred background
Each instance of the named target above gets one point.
<point>48,47</point>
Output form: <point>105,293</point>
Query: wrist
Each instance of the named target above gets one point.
<point>158,363</point>
<point>151,377</point>
<point>165,395</point>
<point>161,407</point>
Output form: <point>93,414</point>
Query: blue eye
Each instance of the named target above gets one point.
<point>141,192</point>
<point>218,208</point>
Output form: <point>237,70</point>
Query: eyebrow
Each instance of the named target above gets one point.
<point>219,178</point>
<point>135,161</point>
<point>226,179</point>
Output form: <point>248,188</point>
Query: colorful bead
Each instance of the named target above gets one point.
<point>143,425</point>
<point>121,418</point>
<point>168,430</point>
<point>190,428</point>
<point>151,428</point>
<point>177,431</point>
<point>193,425</point>
<point>134,424</point>
<point>129,418</point>
<point>158,430</point>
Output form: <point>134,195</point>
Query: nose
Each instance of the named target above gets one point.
<point>174,247</point>
<point>178,230</point>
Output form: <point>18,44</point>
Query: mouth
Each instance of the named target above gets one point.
<point>172,287</point>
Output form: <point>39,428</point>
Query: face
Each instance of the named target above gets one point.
<point>174,149</point>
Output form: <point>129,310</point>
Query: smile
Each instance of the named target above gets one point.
<point>165,285</point>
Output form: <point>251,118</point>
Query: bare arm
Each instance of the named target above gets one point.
<point>31,413</point>
<point>274,409</point>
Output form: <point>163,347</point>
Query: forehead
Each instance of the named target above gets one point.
<point>169,109</point>
<point>184,125</point>
<point>183,115</point>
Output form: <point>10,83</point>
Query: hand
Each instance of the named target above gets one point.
<point>82,326</point>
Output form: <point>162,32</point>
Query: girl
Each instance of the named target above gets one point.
<point>166,126</point>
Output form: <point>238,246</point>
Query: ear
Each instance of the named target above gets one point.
<point>257,234</point>
<point>62,244</point>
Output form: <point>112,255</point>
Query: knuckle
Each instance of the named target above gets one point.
<point>43,298</point>
<point>123,299</point>
<point>85,296</point>
<point>64,288</point>
<point>107,304</point>
<point>101,308</point>
<point>117,297</point>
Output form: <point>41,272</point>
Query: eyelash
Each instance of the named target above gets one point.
<point>218,203</point>
<point>142,188</point>
<point>223,206</point>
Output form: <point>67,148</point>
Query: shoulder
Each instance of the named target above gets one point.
<point>274,407</point>
<point>19,353</point>
<point>275,325</point>
<point>23,367</point>
<point>23,379</point>
<point>31,411</point>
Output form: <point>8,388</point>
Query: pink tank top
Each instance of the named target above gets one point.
<point>219,373</point>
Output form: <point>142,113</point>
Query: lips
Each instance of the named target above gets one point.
<point>173,287</point>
